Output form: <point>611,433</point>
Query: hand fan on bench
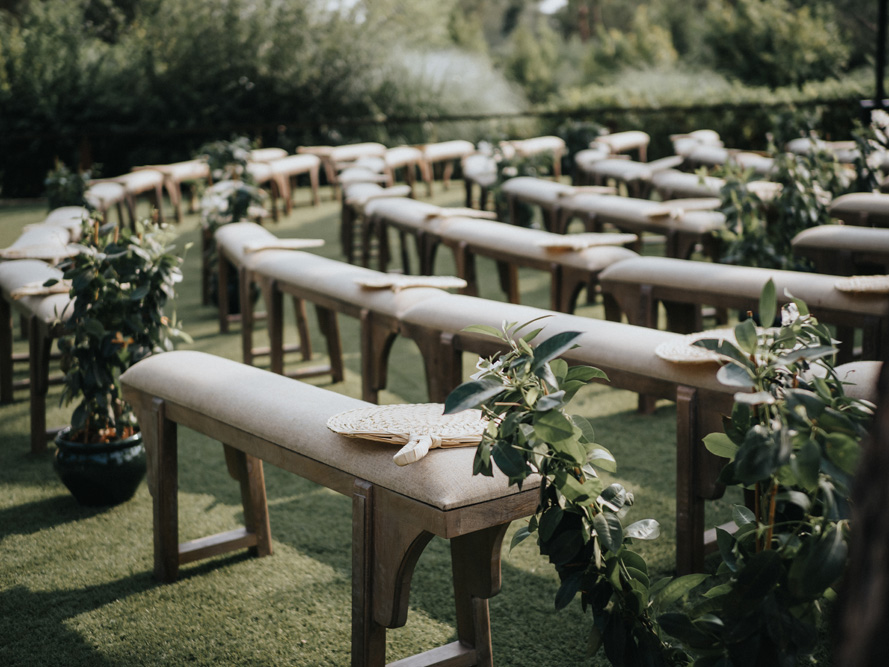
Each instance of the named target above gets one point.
<point>419,427</point>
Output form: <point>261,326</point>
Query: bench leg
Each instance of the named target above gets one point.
<point>39,344</point>
<point>385,550</point>
<point>247,470</point>
<point>161,449</point>
<point>376,343</point>
<point>330,329</point>
<point>222,292</point>
<point>6,364</point>
<point>509,281</point>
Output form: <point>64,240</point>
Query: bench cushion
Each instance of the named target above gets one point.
<point>402,210</point>
<point>319,276</point>
<point>295,164</point>
<point>448,150</point>
<point>294,415</point>
<point>602,343</point>
<point>717,282</point>
<point>672,183</point>
<point>844,237</point>
<point>861,207</point>
<point>525,244</point>
<point>537,190</point>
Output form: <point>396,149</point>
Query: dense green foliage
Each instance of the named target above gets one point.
<point>792,442</point>
<point>126,82</point>
<point>120,284</point>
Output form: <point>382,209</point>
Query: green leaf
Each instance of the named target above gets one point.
<point>585,374</point>
<point>484,329</point>
<point>819,564</point>
<point>646,529</point>
<point>768,304</point>
<point>471,394</point>
<point>520,536</point>
<point>843,451</point>
<point>734,376</point>
<point>677,589</point>
<point>743,515</point>
<point>568,589</point>
<point>608,530</point>
<point>510,461</point>
<point>760,575</point>
<point>807,353</point>
<point>806,465</point>
<point>549,521</point>
<point>602,459</point>
<point>553,426</point>
<point>745,334</point>
<point>585,427</point>
<point>552,347</point>
<point>550,401</point>
<point>720,445</point>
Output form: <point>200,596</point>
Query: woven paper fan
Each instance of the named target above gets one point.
<point>419,427</point>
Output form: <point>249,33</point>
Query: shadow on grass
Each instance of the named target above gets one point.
<point>33,517</point>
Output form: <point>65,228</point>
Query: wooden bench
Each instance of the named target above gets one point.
<point>844,250</point>
<point>333,287</point>
<point>538,146</point>
<point>41,316</point>
<point>636,286</point>
<point>513,247</point>
<point>446,153</point>
<point>684,227</point>
<point>286,170</point>
<point>353,216</point>
<point>674,184</point>
<point>624,142</point>
<point>550,196</point>
<point>861,208</point>
<point>262,417</point>
<point>175,175</point>
<point>635,177</point>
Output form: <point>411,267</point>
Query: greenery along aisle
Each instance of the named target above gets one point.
<point>792,441</point>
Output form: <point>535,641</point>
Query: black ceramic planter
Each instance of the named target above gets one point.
<point>100,475</point>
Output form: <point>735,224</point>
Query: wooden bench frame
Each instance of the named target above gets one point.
<point>639,302</point>
<point>389,533</point>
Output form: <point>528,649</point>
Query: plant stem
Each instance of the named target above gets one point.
<point>756,510</point>
<point>773,493</point>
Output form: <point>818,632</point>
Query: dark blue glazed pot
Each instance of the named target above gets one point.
<point>101,474</point>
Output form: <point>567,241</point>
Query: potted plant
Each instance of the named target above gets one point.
<point>120,284</point>
<point>65,187</point>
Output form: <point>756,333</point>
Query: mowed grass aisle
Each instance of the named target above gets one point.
<point>76,586</point>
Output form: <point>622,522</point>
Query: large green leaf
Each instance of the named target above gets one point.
<point>609,530</point>
<point>471,394</point>
<point>552,347</point>
<point>553,426</point>
<point>720,444</point>
<point>483,329</point>
<point>819,564</point>
<point>734,376</point>
<point>768,304</point>
<point>745,334</point>
<point>585,374</point>
<point>646,529</point>
<point>677,589</point>
<point>843,451</point>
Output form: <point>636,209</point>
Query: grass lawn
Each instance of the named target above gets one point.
<point>76,586</point>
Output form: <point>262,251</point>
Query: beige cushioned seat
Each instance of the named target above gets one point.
<point>294,164</point>
<point>861,208</point>
<point>641,213</point>
<point>536,190</point>
<point>722,280</point>
<point>481,169</point>
<point>234,239</point>
<point>862,377</point>
<point>843,237</point>
<point>144,180</point>
<point>403,211</point>
<point>321,277</point>
<point>47,242</point>
<point>401,156</point>
<point>359,194</point>
<point>605,343</point>
<point>621,142</point>
<point>586,158</point>
<point>525,243</point>
<point>294,415</point>
<point>673,184</point>
<point>267,154</point>
<point>105,194</point>
<point>447,150</point>
<point>48,308</point>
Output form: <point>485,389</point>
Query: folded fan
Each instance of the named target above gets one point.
<point>419,427</point>
<point>39,289</point>
<point>397,282</point>
<point>582,241</point>
<point>283,244</point>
